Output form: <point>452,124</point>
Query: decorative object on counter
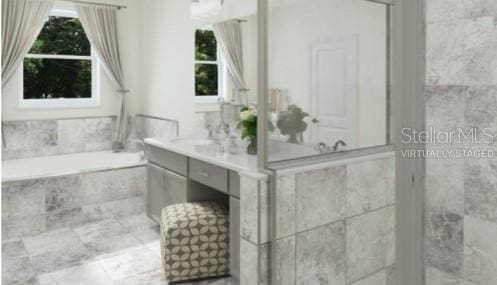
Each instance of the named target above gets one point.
<point>291,122</point>
<point>248,125</point>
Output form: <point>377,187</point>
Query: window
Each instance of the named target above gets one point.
<point>209,68</point>
<point>60,69</point>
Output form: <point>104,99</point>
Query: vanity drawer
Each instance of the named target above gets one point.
<point>211,175</point>
<point>169,160</point>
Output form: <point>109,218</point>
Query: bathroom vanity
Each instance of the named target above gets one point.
<point>189,170</point>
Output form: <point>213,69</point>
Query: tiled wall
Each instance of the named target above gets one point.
<point>33,206</point>
<point>335,225</point>
<point>461,195</point>
<point>36,138</point>
<point>51,137</point>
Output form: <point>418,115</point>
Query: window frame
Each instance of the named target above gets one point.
<point>93,101</point>
<point>221,73</point>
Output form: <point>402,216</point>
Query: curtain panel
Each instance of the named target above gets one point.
<point>229,38</point>
<point>22,21</point>
<point>100,24</point>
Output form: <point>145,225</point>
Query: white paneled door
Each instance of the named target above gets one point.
<point>334,90</point>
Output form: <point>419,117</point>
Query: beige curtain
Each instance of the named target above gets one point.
<point>229,38</point>
<point>22,21</point>
<point>100,24</point>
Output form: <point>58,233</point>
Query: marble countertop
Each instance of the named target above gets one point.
<point>206,151</point>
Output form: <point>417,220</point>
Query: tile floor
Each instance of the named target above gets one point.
<point>124,251</point>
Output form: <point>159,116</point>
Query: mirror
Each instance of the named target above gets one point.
<point>327,76</point>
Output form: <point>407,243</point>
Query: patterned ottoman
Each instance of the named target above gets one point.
<point>195,241</point>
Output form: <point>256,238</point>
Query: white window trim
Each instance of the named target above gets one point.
<point>221,77</point>
<point>65,103</point>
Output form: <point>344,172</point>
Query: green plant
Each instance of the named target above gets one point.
<point>291,122</point>
<point>248,122</point>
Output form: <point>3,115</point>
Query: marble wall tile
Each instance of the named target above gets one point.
<point>23,198</point>
<point>148,127</point>
<point>444,241</point>
<point>286,258</point>
<point>445,106</point>
<point>480,251</point>
<point>63,192</point>
<point>437,277</point>
<point>378,278</point>
<point>445,185</point>
<point>480,182</point>
<point>321,197</point>
<point>248,261</point>
<point>285,205</point>
<point>20,226</point>
<point>116,184</point>
<point>366,244</point>
<point>390,237</point>
<point>20,135</point>
<point>18,271</point>
<point>450,10</point>
<point>12,250</point>
<point>367,185</point>
<point>91,273</point>
<point>66,218</point>
<point>249,208</point>
<point>320,255</point>
<point>71,135</point>
<point>391,273</point>
<point>461,52</point>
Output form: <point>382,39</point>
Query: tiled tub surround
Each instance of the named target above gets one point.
<point>33,206</point>
<point>461,196</point>
<point>335,224</point>
<point>35,138</point>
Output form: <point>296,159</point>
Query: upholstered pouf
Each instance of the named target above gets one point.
<point>195,241</point>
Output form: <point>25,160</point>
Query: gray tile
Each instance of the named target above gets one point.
<point>13,249</point>
<point>321,197</point>
<point>137,222</point>
<point>91,273</point>
<point>391,273</point>
<point>445,185</point>
<point>450,10</point>
<point>285,252</point>
<point>437,277</point>
<point>71,134</point>
<point>366,244</point>
<point>480,251</point>
<point>155,277</point>
<point>285,205</point>
<point>480,182</point>
<point>20,226</point>
<point>378,278</point>
<point>248,262</point>
<point>147,235</point>
<point>249,208</point>
<point>218,281</point>
<point>117,184</point>
<point>98,133</point>
<point>481,107</point>
<point>131,263</point>
<point>445,106</point>
<point>58,260</point>
<point>18,271</point>
<point>367,185</point>
<point>320,255</point>
<point>23,198</point>
<point>390,237</point>
<point>106,237</point>
<point>63,193</point>
<point>66,218</point>
<point>460,52</point>
<point>34,135</point>
<point>58,240</point>
<point>444,241</point>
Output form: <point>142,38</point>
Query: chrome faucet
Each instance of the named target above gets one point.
<point>337,144</point>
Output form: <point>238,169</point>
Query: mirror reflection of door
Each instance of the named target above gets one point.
<point>334,90</point>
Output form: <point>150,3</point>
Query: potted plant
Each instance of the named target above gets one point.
<point>248,125</point>
<point>291,122</point>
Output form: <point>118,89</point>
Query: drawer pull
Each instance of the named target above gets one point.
<point>204,174</point>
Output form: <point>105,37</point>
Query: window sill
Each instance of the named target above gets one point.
<point>58,104</point>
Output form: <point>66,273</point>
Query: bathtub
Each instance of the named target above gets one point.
<point>48,193</point>
<point>76,163</point>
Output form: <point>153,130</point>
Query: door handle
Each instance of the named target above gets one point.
<point>315,121</point>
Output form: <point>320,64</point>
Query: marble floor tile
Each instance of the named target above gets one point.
<point>13,249</point>
<point>106,238</point>
<point>320,255</point>
<point>136,222</point>
<point>91,273</point>
<point>130,263</point>
<point>19,226</point>
<point>18,270</point>
<point>148,235</point>
<point>378,278</point>
<point>155,277</point>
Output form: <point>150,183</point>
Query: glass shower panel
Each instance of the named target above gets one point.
<point>327,77</point>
